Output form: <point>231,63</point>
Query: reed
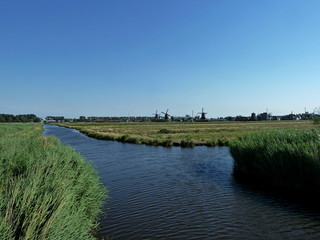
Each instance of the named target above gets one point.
<point>47,190</point>
<point>286,160</point>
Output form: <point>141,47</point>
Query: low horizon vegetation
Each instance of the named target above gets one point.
<point>19,118</point>
<point>180,134</point>
<point>47,190</point>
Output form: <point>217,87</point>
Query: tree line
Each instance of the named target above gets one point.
<point>19,118</point>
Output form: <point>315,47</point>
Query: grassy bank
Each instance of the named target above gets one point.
<point>47,190</point>
<point>181,134</point>
<point>284,160</point>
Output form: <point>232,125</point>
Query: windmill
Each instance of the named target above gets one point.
<point>156,115</point>
<point>166,115</point>
<point>203,115</point>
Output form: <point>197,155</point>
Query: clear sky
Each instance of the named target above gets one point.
<point>133,57</point>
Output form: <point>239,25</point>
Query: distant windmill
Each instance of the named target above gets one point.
<point>203,115</point>
<point>166,115</point>
<point>156,115</point>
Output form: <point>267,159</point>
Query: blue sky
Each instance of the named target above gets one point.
<point>133,57</point>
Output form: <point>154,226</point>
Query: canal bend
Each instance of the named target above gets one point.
<point>183,193</point>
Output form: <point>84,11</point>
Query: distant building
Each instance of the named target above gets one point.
<point>53,119</point>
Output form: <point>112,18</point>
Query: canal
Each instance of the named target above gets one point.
<point>183,193</point>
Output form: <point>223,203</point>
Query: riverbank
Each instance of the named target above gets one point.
<point>47,190</point>
<point>180,134</point>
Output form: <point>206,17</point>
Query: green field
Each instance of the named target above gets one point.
<point>181,134</point>
<point>47,190</point>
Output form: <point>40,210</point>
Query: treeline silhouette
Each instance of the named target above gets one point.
<point>19,118</point>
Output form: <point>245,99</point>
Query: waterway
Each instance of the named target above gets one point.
<point>183,193</point>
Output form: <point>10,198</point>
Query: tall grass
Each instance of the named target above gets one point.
<point>47,190</point>
<point>282,159</point>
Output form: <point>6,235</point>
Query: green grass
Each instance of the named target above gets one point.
<point>181,134</point>
<point>286,160</point>
<point>47,190</point>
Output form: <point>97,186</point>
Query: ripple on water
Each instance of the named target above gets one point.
<point>175,193</point>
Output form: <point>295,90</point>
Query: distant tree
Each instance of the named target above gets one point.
<point>37,119</point>
<point>229,118</point>
<point>253,117</point>
<point>82,119</point>
<point>9,118</point>
<point>27,118</point>
<point>19,118</point>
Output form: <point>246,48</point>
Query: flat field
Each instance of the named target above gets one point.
<point>181,134</point>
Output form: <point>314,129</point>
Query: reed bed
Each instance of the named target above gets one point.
<point>284,160</point>
<point>47,190</point>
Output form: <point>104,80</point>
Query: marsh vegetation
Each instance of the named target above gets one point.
<point>285,160</point>
<point>181,134</point>
<point>47,190</point>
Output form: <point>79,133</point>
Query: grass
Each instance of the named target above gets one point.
<point>47,190</point>
<point>284,160</point>
<point>181,134</point>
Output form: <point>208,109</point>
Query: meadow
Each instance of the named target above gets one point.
<point>47,190</point>
<point>181,134</point>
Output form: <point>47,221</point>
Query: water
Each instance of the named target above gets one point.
<point>176,193</point>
